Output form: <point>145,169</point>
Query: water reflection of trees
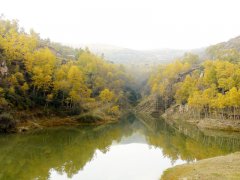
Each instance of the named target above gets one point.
<point>189,143</point>
<point>32,156</point>
<point>67,150</point>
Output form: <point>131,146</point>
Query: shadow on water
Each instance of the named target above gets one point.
<point>67,149</point>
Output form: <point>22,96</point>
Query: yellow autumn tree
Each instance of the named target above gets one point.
<point>106,95</point>
<point>41,65</point>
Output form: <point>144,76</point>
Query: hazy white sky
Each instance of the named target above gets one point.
<point>137,24</point>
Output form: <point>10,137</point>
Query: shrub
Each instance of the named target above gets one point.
<point>114,110</point>
<point>7,122</point>
<point>89,118</point>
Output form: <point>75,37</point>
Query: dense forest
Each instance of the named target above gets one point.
<point>206,87</point>
<point>39,75</point>
<point>36,73</point>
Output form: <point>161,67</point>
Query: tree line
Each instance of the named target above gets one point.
<point>207,88</point>
<point>36,72</point>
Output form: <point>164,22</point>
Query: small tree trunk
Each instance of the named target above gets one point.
<point>234,113</point>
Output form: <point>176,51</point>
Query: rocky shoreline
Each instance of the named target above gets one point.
<point>174,116</point>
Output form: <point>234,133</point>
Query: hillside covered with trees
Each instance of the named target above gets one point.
<point>202,87</point>
<point>40,77</point>
<point>36,74</point>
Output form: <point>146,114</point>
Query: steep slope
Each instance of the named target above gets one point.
<point>233,43</point>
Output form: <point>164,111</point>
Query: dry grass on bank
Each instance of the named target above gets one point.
<point>217,168</point>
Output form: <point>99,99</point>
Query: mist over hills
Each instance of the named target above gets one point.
<point>130,56</point>
<point>233,43</point>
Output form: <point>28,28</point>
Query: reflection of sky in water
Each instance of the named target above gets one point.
<point>124,161</point>
<point>127,150</point>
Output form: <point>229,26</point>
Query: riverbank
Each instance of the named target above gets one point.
<point>45,122</point>
<point>222,167</point>
<point>21,121</point>
<point>172,115</point>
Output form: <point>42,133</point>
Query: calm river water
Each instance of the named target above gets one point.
<point>136,148</point>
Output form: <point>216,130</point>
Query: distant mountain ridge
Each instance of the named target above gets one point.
<point>130,56</point>
<point>233,43</point>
